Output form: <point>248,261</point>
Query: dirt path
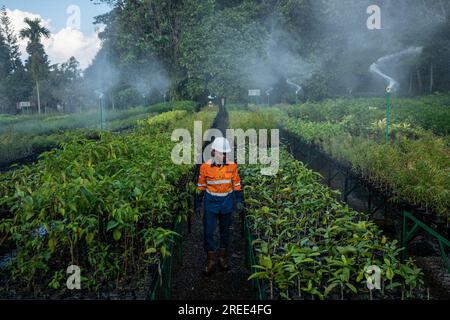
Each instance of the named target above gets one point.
<point>188,282</point>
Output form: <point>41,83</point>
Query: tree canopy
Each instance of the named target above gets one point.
<point>188,49</point>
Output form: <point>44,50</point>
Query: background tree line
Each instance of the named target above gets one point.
<point>226,47</point>
<point>47,86</point>
<point>153,50</point>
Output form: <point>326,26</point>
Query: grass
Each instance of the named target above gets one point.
<point>24,135</point>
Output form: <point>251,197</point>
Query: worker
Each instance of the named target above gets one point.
<point>220,187</point>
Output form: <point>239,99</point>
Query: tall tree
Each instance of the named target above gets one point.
<point>4,72</point>
<point>323,44</point>
<point>66,83</point>
<point>143,33</point>
<point>219,50</point>
<point>17,85</point>
<point>10,40</point>
<point>37,62</point>
<point>4,58</point>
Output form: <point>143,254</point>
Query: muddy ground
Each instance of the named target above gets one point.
<point>188,282</point>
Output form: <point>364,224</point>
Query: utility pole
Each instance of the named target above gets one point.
<point>38,97</point>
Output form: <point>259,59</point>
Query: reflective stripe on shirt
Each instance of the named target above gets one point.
<point>218,182</point>
<point>217,194</point>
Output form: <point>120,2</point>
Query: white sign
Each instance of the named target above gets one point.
<point>254,93</point>
<point>25,104</point>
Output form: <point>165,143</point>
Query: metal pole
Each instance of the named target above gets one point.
<point>388,115</point>
<point>101,114</point>
<point>38,97</point>
<point>404,240</point>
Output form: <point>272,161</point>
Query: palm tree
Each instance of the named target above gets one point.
<point>34,32</point>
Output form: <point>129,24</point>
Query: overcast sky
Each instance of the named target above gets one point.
<point>72,34</point>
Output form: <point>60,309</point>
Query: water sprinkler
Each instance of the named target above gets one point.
<point>211,98</point>
<point>268,95</point>
<point>393,85</point>
<point>163,94</point>
<point>298,88</point>
<point>388,111</point>
<point>100,99</point>
<point>296,95</point>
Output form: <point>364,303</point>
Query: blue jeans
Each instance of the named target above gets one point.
<point>209,226</point>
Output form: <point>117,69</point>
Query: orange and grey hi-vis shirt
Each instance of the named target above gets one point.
<point>219,182</point>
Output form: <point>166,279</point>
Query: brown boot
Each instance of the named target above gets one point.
<point>223,260</point>
<point>210,263</point>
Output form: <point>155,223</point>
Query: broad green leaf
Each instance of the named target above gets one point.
<point>111,225</point>
<point>117,234</point>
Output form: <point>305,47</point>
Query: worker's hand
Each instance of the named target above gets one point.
<point>240,206</point>
<point>240,201</point>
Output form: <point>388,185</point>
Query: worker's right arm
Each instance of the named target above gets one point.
<point>201,183</point>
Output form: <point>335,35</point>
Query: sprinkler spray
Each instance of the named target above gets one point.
<point>298,88</point>
<point>392,84</point>
<point>163,94</point>
<point>100,106</point>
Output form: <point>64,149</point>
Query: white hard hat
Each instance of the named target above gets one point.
<point>222,145</point>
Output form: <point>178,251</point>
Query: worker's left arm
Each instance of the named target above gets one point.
<point>236,181</point>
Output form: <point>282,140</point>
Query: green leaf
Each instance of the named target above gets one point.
<point>360,276</point>
<point>111,225</point>
<point>258,275</point>
<point>164,251</point>
<point>347,250</point>
<point>90,237</point>
<point>52,244</point>
<point>389,274</point>
<point>150,251</point>
<point>352,287</point>
<point>392,285</point>
<point>117,234</point>
<point>330,288</point>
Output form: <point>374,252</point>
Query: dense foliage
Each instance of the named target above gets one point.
<point>106,205</point>
<point>309,245</point>
<point>153,50</point>
<point>228,47</point>
<point>415,164</point>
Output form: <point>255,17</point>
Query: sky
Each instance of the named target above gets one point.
<point>70,23</point>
